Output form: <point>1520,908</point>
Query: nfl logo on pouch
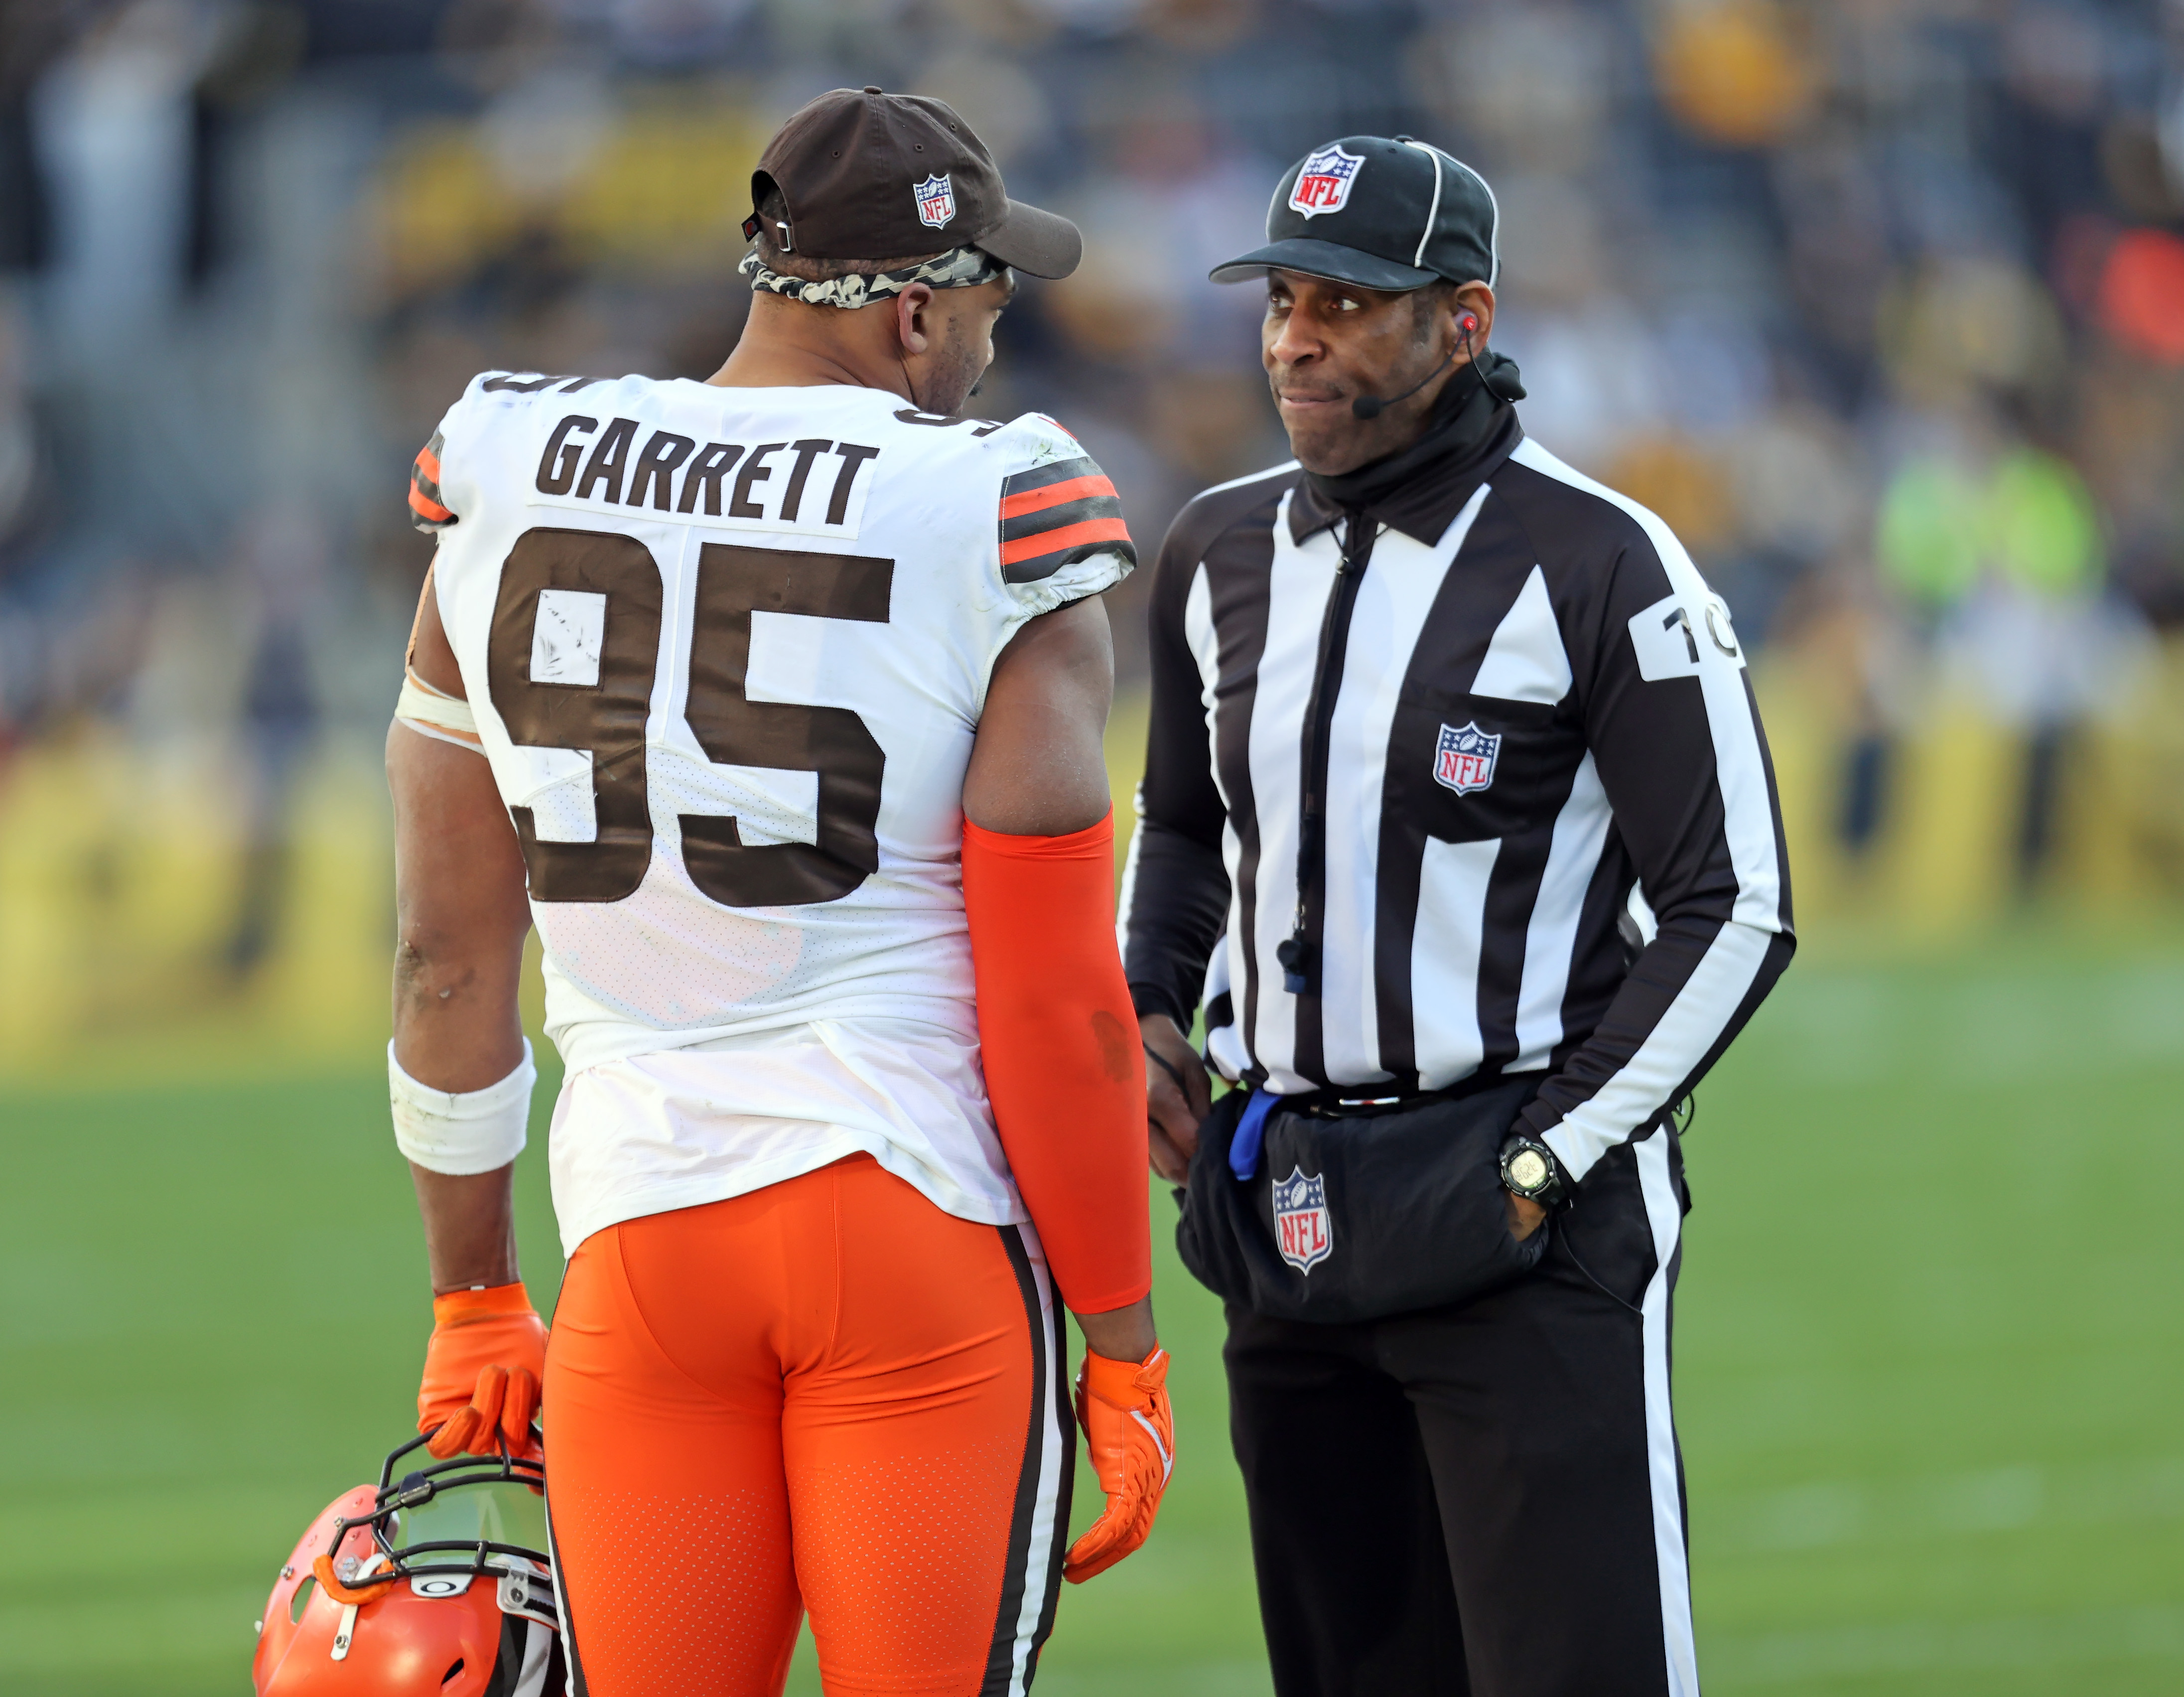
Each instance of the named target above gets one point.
<point>936,201</point>
<point>1323,184</point>
<point>1302,1231</point>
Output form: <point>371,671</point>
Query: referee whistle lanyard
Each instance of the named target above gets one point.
<point>1298,954</point>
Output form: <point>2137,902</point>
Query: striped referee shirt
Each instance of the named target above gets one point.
<point>1467,783</point>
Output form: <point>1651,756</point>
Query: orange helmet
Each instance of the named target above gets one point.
<point>439,1585</point>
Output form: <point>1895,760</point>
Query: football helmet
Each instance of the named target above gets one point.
<point>436,1584</point>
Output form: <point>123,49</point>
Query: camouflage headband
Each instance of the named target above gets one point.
<point>960,268</point>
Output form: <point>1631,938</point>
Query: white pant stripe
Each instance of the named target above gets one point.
<point>1664,1213</point>
<point>1038,1549</point>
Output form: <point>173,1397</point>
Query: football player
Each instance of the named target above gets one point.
<point>775,703</point>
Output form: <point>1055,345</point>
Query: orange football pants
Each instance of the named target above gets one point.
<point>827,1394</point>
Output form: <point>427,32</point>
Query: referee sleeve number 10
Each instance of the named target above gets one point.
<point>603,701</point>
<point>1671,642</point>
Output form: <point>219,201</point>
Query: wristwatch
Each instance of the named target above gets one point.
<point>1530,1170</point>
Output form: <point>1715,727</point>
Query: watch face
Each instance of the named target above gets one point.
<point>1527,1171</point>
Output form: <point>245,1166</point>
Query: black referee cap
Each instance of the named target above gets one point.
<point>1382,212</point>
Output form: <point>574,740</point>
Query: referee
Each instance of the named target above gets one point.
<point>1459,826</point>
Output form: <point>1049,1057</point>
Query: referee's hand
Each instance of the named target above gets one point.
<point>1526,1216</point>
<point>1176,1095</point>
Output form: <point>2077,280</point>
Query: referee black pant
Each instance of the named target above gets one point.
<point>1484,1500</point>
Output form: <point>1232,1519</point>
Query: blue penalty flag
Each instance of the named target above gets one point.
<point>1250,1133</point>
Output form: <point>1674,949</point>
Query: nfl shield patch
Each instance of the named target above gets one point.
<point>1323,184</point>
<point>1464,759</point>
<point>936,201</point>
<point>1302,1231</point>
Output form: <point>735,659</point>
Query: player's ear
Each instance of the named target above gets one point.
<point>913,324</point>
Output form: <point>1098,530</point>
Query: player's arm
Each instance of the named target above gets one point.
<point>1065,1074</point>
<point>459,1070</point>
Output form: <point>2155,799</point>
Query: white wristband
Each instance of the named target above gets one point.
<point>460,1132</point>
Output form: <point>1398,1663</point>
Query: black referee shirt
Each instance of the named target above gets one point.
<point>1551,838</point>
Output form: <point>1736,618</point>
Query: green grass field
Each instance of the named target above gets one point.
<point>1930,1356</point>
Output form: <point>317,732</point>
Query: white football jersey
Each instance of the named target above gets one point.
<point>728,649</point>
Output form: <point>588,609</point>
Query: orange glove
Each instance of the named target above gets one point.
<point>1130,1431</point>
<point>481,1372</point>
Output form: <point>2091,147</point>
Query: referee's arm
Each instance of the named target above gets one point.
<point>1675,734</point>
<point>1174,898</point>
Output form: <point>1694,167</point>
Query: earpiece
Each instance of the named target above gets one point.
<point>1372,406</point>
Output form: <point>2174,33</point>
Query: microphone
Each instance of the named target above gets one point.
<point>1372,406</point>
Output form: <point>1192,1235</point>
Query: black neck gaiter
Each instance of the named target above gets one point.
<point>1462,420</point>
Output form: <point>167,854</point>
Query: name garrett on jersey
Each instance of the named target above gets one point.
<point>1057,511</point>
<point>807,485</point>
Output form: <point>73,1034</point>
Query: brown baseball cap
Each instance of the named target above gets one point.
<point>870,175</point>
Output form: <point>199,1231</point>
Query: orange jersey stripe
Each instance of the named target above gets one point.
<point>429,463</point>
<point>427,509</point>
<point>1054,494</point>
<point>1068,536</point>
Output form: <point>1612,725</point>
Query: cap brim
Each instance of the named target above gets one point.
<point>1045,244</point>
<point>1324,259</point>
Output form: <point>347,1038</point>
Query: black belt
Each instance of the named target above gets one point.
<point>1342,1101</point>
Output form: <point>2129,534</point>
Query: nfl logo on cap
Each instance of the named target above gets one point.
<point>1302,1231</point>
<point>936,201</point>
<point>1323,184</point>
<point>1464,760</point>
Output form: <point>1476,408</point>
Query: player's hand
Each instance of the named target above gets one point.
<point>1526,1216</point>
<point>1176,1095</point>
<point>1130,1431</point>
<point>483,1371</point>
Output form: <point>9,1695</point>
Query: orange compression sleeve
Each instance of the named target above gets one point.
<point>1063,1067</point>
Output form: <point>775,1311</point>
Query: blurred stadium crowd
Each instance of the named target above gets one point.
<point>1880,302</point>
